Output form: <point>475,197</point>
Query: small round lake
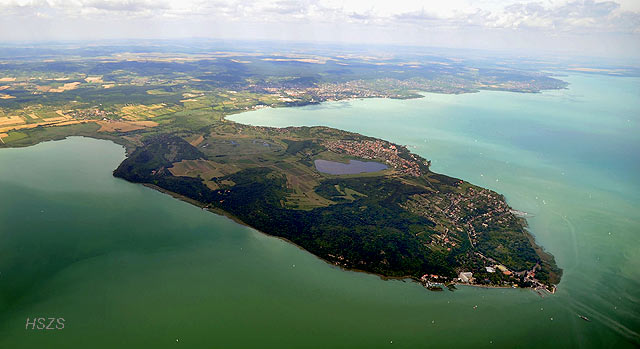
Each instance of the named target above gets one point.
<point>353,167</point>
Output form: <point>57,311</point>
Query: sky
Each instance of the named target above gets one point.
<point>581,27</point>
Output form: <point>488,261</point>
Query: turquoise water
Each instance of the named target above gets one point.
<point>130,267</point>
<point>569,158</point>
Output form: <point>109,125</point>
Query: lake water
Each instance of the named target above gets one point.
<point>129,267</point>
<point>353,167</point>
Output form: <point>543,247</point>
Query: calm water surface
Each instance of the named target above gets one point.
<point>353,167</point>
<point>130,267</point>
<point>569,158</point>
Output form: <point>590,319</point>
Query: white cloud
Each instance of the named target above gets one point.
<point>329,20</point>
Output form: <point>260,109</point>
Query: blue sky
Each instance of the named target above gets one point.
<point>591,27</point>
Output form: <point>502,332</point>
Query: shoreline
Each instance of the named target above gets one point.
<point>128,147</point>
<point>519,214</point>
<point>237,220</point>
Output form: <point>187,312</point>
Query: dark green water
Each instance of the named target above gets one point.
<point>129,267</point>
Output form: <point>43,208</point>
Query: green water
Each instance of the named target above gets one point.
<point>130,267</point>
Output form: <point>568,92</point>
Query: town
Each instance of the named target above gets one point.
<point>379,150</point>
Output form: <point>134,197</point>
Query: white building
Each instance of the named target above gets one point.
<point>466,276</point>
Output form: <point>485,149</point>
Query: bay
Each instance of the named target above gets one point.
<point>569,158</point>
<point>131,267</point>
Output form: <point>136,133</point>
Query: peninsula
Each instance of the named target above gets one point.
<point>384,212</point>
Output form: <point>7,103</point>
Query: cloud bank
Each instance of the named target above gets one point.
<point>589,26</point>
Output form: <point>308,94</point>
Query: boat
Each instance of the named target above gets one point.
<point>584,318</point>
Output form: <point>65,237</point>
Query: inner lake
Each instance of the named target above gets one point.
<point>353,167</point>
<point>127,266</point>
